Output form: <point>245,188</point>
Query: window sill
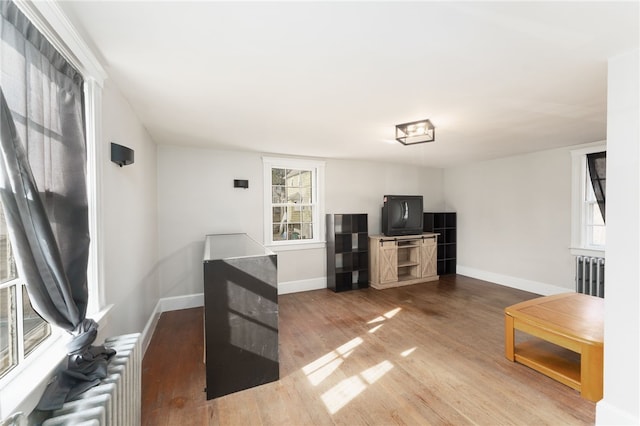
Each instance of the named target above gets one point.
<point>297,246</point>
<point>21,388</point>
<point>579,251</point>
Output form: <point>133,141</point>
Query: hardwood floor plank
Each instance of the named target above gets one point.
<point>430,353</point>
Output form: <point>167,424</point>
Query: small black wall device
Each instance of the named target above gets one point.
<point>121,155</point>
<point>241,183</point>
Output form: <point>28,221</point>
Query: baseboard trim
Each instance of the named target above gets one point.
<point>608,414</point>
<point>302,285</point>
<point>513,282</point>
<point>164,305</point>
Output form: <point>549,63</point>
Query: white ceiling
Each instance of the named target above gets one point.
<point>332,79</point>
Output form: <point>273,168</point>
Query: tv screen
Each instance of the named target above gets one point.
<point>402,215</point>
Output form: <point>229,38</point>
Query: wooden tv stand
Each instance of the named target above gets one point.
<point>569,344</point>
<point>402,260</point>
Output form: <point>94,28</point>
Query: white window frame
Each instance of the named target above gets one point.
<point>21,388</point>
<point>579,240</point>
<point>316,167</point>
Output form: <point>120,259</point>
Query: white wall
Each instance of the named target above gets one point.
<point>196,197</point>
<point>514,220</point>
<point>621,403</point>
<point>129,203</point>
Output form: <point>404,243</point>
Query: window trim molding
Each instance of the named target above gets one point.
<point>578,188</point>
<point>297,163</point>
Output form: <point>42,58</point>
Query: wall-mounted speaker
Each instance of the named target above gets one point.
<point>241,183</point>
<point>121,155</point>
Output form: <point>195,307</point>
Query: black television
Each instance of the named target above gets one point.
<point>402,215</point>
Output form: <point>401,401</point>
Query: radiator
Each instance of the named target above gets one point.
<point>116,400</point>
<point>590,275</point>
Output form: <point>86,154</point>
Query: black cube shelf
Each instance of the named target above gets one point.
<point>347,251</point>
<point>443,223</point>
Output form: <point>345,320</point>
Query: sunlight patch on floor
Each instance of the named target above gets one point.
<point>342,393</point>
<point>346,349</point>
<point>392,313</point>
<point>318,376</point>
<point>371,375</point>
<point>323,367</point>
<point>408,352</point>
<point>386,316</point>
<point>376,328</point>
<point>377,319</point>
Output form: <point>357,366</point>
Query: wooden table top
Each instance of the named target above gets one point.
<point>575,315</point>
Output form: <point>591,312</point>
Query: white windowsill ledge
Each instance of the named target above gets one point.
<point>21,388</point>
<point>578,251</point>
<point>296,246</point>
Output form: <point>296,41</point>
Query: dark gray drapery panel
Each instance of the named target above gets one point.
<point>597,163</point>
<point>43,190</point>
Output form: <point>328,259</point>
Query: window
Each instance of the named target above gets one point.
<point>594,228</point>
<point>21,328</point>
<point>293,201</point>
<point>588,230</point>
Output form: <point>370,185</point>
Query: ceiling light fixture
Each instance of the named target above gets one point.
<point>415,132</point>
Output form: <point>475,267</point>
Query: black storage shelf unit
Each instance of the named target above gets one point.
<point>443,223</point>
<point>347,252</point>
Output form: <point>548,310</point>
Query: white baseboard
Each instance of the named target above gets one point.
<point>182,302</point>
<point>164,305</point>
<point>513,282</point>
<point>607,414</point>
<point>302,285</point>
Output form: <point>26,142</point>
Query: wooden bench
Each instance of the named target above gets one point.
<point>572,321</point>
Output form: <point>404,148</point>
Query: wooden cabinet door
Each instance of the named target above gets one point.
<point>428,258</point>
<point>388,262</point>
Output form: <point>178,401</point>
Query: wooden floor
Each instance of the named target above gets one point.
<point>426,354</point>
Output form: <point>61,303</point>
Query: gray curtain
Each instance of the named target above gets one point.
<point>43,193</point>
<point>597,164</point>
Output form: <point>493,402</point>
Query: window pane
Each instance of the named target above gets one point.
<point>7,265</point>
<point>293,195</point>
<point>279,223</point>
<point>279,233</point>
<point>305,191</point>
<point>278,195</point>
<point>293,215</point>
<point>598,235</point>
<point>293,231</point>
<point>8,348</point>
<point>589,195</point>
<point>596,215</point>
<point>306,214</point>
<point>293,178</point>
<point>305,178</point>
<point>277,176</point>
<point>307,231</point>
<point>35,328</point>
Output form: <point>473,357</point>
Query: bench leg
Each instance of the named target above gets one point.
<point>591,364</point>
<point>508,338</point>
